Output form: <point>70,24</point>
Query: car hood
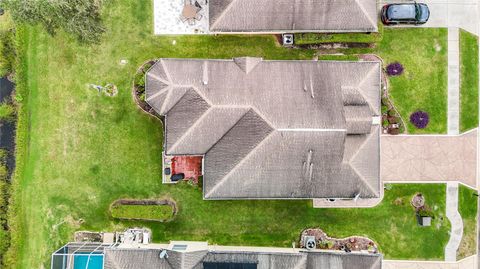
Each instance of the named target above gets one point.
<point>401,11</point>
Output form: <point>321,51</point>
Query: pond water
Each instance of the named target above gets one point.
<point>7,129</point>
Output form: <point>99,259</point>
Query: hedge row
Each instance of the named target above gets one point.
<point>319,38</point>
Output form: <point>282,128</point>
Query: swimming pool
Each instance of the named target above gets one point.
<point>80,262</point>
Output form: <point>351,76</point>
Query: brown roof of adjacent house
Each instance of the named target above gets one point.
<point>150,259</point>
<point>293,15</point>
<point>273,129</point>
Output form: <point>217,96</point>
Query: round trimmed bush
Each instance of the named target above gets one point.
<point>395,69</point>
<point>420,119</point>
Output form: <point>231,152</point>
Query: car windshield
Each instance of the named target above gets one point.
<point>418,11</point>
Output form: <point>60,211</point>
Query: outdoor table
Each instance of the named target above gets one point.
<point>189,11</point>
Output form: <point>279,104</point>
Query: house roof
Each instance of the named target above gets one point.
<point>293,15</point>
<point>273,129</point>
<point>150,258</point>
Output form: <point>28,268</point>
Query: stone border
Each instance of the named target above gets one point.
<point>165,201</point>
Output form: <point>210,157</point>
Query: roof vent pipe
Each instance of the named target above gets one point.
<point>311,87</point>
<point>205,73</point>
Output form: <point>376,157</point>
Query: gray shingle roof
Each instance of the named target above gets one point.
<point>273,129</point>
<point>149,259</point>
<point>292,15</point>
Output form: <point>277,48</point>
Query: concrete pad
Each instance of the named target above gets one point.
<point>429,158</point>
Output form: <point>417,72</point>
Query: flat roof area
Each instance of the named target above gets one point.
<point>273,129</point>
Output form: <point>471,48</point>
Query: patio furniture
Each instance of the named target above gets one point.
<point>189,11</point>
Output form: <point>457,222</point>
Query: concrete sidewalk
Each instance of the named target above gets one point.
<point>456,222</point>
<point>467,263</point>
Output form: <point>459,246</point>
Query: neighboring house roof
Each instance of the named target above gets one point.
<point>273,129</point>
<point>293,15</point>
<point>150,259</point>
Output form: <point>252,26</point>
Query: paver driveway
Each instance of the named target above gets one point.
<point>430,158</point>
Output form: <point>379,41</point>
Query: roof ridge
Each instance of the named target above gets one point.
<point>167,98</point>
<point>158,78</point>
<point>244,159</point>
<point>369,136</point>
<point>162,62</point>
<point>219,18</point>
<point>359,87</point>
<point>155,95</point>
<point>196,123</point>
<point>364,11</point>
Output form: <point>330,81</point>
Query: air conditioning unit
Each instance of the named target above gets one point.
<point>287,40</point>
<point>309,242</point>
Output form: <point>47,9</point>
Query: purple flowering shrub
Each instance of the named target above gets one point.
<point>395,69</point>
<point>419,119</point>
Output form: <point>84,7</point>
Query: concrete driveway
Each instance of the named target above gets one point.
<point>448,13</point>
<point>430,158</point>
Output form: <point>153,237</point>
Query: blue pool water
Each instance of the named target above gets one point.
<point>80,262</point>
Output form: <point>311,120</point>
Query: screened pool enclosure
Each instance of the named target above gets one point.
<point>86,255</point>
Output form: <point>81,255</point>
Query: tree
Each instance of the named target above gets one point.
<point>78,17</point>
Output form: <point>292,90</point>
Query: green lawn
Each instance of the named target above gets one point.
<point>468,204</point>
<point>79,151</point>
<point>468,81</point>
<point>423,85</point>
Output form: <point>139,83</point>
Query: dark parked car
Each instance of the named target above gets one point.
<point>408,13</point>
<point>177,177</point>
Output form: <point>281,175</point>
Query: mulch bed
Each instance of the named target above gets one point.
<point>135,92</point>
<point>85,236</point>
<point>353,243</point>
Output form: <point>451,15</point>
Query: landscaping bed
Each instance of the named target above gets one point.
<point>149,210</point>
<point>352,243</point>
<point>322,38</point>
<point>138,90</point>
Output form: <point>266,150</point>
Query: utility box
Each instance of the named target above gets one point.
<point>287,40</point>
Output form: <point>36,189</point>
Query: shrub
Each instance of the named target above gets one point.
<point>419,119</point>
<point>3,156</point>
<point>392,113</point>
<point>385,123</point>
<point>7,52</point>
<point>425,213</point>
<point>7,111</point>
<point>384,109</point>
<point>394,69</point>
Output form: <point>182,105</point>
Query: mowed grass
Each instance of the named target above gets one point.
<point>84,150</point>
<point>423,85</point>
<point>145,212</point>
<point>468,81</point>
<point>468,206</point>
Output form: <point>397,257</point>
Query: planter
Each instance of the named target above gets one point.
<point>147,210</point>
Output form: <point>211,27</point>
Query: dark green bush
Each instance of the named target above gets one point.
<point>7,52</point>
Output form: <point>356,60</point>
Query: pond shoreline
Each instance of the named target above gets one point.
<point>8,128</point>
